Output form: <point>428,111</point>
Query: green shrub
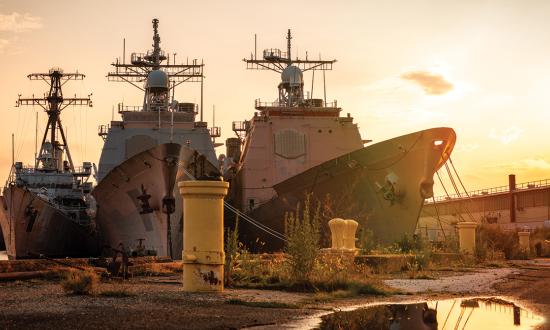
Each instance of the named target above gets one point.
<point>494,238</point>
<point>303,235</point>
<point>366,241</point>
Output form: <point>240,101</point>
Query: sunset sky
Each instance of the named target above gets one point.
<point>480,67</point>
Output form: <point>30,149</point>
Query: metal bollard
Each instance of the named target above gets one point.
<point>524,241</point>
<point>467,236</point>
<point>349,234</point>
<point>337,227</point>
<point>203,253</point>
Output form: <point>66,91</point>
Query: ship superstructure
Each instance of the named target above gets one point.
<point>300,145</point>
<point>48,208</point>
<point>291,134</point>
<point>137,198</point>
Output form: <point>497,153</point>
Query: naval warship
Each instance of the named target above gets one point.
<point>47,209</point>
<point>139,204</point>
<point>299,145</point>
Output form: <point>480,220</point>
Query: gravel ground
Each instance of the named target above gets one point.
<point>44,305</point>
<point>480,281</point>
<point>159,302</point>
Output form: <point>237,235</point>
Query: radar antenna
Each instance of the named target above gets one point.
<point>53,103</point>
<point>291,88</point>
<point>141,64</point>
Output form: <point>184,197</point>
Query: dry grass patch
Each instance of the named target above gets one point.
<point>157,269</point>
<point>80,282</point>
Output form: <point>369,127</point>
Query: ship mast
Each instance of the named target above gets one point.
<point>53,103</point>
<point>291,88</point>
<point>142,64</point>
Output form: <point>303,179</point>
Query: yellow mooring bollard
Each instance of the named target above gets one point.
<point>524,241</point>
<point>349,237</point>
<point>203,254</point>
<point>337,227</point>
<point>467,236</point>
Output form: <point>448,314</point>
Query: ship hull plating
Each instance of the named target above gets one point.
<point>132,197</point>
<point>383,186</point>
<point>31,226</point>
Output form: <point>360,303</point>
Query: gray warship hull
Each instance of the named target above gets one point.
<point>132,197</point>
<point>382,186</point>
<point>31,226</point>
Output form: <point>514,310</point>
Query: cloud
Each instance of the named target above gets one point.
<point>16,22</point>
<point>507,135</point>
<point>540,164</point>
<point>431,83</point>
<point>466,147</point>
<point>3,44</point>
<point>524,164</point>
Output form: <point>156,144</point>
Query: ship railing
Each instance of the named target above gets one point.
<point>103,130</point>
<point>30,169</point>
<point>494,190</point>
<point>261,104</point>
<point>129,108</point>
<point>274,54</point>
<point>241,126</point>
<point>26,169</point>
<point>139,58</point>
<point>215,131</point>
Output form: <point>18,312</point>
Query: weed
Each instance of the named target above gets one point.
<point>80,282</point>
<point>234,249</point>
<point>302,247</point>
<point>366,241</point>
<point>158,269</point>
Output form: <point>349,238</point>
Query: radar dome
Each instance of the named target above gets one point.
<point>157,79</point>
<point>292,75</point>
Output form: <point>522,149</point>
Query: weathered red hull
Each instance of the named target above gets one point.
<point>46,230</point>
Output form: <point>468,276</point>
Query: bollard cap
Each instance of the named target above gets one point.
<point>215,188</point>
<point>466,224</point>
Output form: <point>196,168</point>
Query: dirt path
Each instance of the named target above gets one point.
<point>530,287</point>
<point>479,282</point>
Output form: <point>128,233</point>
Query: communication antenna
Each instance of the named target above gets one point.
<point>291,88</point>
<point>53,104</point>
<point>141,64</point>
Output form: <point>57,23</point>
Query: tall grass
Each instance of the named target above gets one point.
<point>303,235</point>
<point>234,251</point>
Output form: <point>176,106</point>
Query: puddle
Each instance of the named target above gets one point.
<point>468,313</point>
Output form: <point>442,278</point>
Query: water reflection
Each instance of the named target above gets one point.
<point>3,255</point>
<point>476,313</point>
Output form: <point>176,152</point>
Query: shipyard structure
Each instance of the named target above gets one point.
<point>522,206</point>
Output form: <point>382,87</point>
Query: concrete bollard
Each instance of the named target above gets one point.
<point>337,227</point>
<point>467,236</point>
<point>524,241</point>
<point>349,234</point>
<point>203,253</point>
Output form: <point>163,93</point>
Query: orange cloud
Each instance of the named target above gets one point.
<point>507,135</point>
<point>431,83</point>
<point>3,44</point>
<point>16,22</point>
